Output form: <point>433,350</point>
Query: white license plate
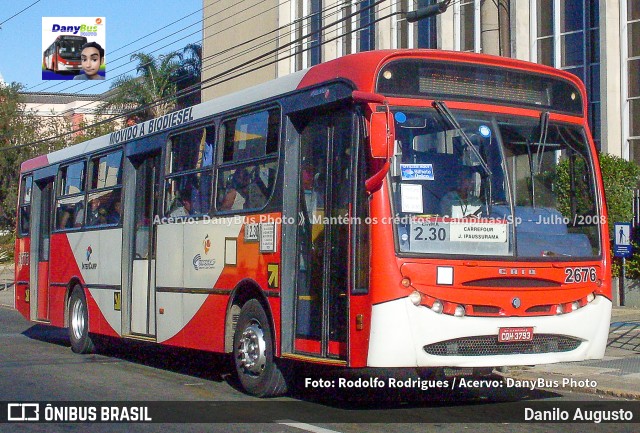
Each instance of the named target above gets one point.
<point>510,335</point>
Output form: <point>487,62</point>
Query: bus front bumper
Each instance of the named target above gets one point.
<point>405,335</point>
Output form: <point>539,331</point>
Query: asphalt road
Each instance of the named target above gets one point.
<point>36,364</point>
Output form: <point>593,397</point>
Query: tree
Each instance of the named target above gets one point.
<point>16,127</point>
<point>156,82</point>
<point>188,75</point>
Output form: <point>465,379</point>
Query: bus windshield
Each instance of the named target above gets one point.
<point>69,48</point>
<point>472,183</point>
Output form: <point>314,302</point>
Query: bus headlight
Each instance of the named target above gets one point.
<point>415,297</point>
<point>437,307</point>
<point>460,311</point>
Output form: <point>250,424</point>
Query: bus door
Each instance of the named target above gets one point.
<point>144,201</point>
<point>322,269</point>
<point>40,248</point>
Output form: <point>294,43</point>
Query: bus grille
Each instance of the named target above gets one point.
<point>486,345</point>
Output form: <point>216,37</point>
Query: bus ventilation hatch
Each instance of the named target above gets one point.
<point>486,345</point>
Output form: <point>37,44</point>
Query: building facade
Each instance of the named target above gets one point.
<point>251,41</point>
<point>65,109</point>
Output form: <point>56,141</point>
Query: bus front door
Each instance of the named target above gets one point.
<point>321,300</point>
<point>40,247</point>
<point>142,281</point>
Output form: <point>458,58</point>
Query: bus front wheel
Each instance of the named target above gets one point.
<point>79,323</point>
<point>253,353</point>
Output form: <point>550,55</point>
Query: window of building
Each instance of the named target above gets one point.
<point>105,190</point>
<point>189,173</point>
<point>632,65</point>
<point>70,196</point>
<point>426,35</point>
<point>307,20</point>
<point>348,24</point>
<point>468,22</point>
<point>26,188</point>
<point>421,34</point>
<point>248,161</point>
<point>366,26</point>
<point>568,38</point>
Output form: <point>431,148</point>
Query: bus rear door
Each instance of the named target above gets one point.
<point>40,248</point>
<point>139,260</point>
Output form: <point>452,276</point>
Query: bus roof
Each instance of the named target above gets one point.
<point>361,69</point>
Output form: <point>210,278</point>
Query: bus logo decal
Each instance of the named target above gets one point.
<point>200,263</point>
<point>88,265</point>
<point>206,244</point>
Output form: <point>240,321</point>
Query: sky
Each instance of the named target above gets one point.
<point>126,21</point>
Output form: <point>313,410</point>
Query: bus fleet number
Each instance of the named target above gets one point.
<point>580,275</point>
<point>430,234</point>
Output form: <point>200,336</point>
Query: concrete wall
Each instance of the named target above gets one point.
<point>228,24</point>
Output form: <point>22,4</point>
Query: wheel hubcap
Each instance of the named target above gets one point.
<point>77,319</point>
<point>252,349</point>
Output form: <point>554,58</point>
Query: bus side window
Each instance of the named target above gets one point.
<point>189,176</point>
<point>254,137</point>
<point>25,205</point>
<point>105,190</point>
<point>69,211</point>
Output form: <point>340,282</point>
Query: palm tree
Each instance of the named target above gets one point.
<point>188,75</point>
<point>153,90</point>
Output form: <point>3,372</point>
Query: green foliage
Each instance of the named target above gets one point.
<point>154,83</point>
<point>18,127</point>
<point>7,243</point>
<point>620,179</point>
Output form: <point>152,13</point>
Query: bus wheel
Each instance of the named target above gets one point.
<point>253,353</point>
<point>79,323</point>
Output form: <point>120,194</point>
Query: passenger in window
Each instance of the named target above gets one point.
<point>79,215</point>
<point>116,213</point>
<point>462,201</point>
<point>64,219</point>
<point>200,193</point>
<point>98,214</point>
<point>312,187</point>
<point>236,197</point>
<point>184,207</point>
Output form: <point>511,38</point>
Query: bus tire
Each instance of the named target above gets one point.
<point>254,363</point>
<point>79,322</point>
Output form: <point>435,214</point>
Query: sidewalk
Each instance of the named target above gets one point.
<point>618,374</point>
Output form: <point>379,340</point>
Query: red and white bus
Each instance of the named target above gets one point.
<point>407,208</point>
<point>64,54</point>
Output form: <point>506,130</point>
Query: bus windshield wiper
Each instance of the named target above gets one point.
<point>448,116</point>
<point>542,141</point>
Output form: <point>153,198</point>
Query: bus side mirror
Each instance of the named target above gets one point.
<point>381,134</point>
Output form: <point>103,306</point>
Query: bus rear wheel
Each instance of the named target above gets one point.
<point>253,353</point>
<point>79,323</point>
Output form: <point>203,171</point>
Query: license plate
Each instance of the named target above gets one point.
<point>510,335</point>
